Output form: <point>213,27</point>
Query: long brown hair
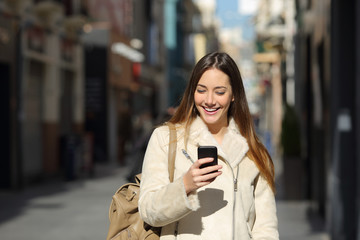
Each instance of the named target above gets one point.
<point>239,109</point>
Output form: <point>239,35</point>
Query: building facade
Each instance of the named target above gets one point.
<point>326,102</point>
<point>83,77</point>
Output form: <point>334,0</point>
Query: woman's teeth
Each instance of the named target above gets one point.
<point>210,109</point>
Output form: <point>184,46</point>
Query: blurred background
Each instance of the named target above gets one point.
<point>85,82</point>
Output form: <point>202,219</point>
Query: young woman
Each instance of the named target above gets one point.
<point>231,200</point>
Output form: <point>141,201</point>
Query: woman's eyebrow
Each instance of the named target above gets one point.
<point>218,87</point>
<point>221,87</point>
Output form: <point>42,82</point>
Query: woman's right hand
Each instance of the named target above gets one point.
<point>197,177</point>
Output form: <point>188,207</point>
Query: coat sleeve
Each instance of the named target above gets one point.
<point>162,202</point>
<point>266,223</point>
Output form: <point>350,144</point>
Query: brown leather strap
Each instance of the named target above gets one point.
<point>172,150</point>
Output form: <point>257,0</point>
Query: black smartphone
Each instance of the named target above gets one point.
<point>208,151</point>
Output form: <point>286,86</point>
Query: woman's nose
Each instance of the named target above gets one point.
<point>209,99</point>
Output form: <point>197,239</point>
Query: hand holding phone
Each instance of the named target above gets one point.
<point>194,179</point>
<point>208,151</point>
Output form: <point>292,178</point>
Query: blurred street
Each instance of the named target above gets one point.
<point>85,81</point>
<point>79,210</point>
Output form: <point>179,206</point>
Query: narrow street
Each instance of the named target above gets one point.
<point>79,210</point>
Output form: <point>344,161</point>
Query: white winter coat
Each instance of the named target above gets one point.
<point>223,209</point>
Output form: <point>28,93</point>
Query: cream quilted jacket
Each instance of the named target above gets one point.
<point>239,204</point>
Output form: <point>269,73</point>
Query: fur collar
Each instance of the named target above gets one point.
<point>233,148</point>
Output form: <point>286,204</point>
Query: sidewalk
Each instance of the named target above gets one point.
<point>295,220</point>
<point>294,223</point>
<point>79,210</point>
<point>61,210</point>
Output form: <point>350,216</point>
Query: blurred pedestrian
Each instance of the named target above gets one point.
<point>231,200</point>
<point>143,127</point>
<point>124,134</point>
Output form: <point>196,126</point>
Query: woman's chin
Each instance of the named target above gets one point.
<point>210,119</point>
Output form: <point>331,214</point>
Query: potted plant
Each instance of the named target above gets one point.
<point>292,161</point>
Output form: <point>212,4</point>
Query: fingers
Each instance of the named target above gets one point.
<point>209,176</point>
<point>197,177</point>
<point>206,170</point>
<point>202,171</point>
<point>202,161</point>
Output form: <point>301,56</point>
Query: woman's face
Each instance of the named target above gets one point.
<point>212,97</point>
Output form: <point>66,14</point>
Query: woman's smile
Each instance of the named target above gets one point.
<point>211,111</point>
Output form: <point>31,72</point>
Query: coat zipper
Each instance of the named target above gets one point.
<point>235,190</point>
<point>235,179</point>
<point>187,155</point>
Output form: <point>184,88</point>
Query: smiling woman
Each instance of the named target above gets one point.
<point>233,199</point>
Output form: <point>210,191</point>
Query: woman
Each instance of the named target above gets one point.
<point>231,200</point>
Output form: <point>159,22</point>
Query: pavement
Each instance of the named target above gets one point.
<point>78,210</point>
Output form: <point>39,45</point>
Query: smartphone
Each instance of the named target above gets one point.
<point>208,151</point>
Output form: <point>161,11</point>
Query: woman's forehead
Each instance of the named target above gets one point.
<point>214,77</point>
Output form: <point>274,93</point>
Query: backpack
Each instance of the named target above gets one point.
<point>124,217</point>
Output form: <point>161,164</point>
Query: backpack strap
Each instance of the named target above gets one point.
<point>172,150</point>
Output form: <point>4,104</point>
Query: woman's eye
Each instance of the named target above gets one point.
<point>200,90</point>
<point>220,93</point>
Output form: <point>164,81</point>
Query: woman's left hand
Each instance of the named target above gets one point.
<point>197,177</point>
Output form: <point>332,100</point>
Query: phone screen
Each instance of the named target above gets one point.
<point>208,151</point>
